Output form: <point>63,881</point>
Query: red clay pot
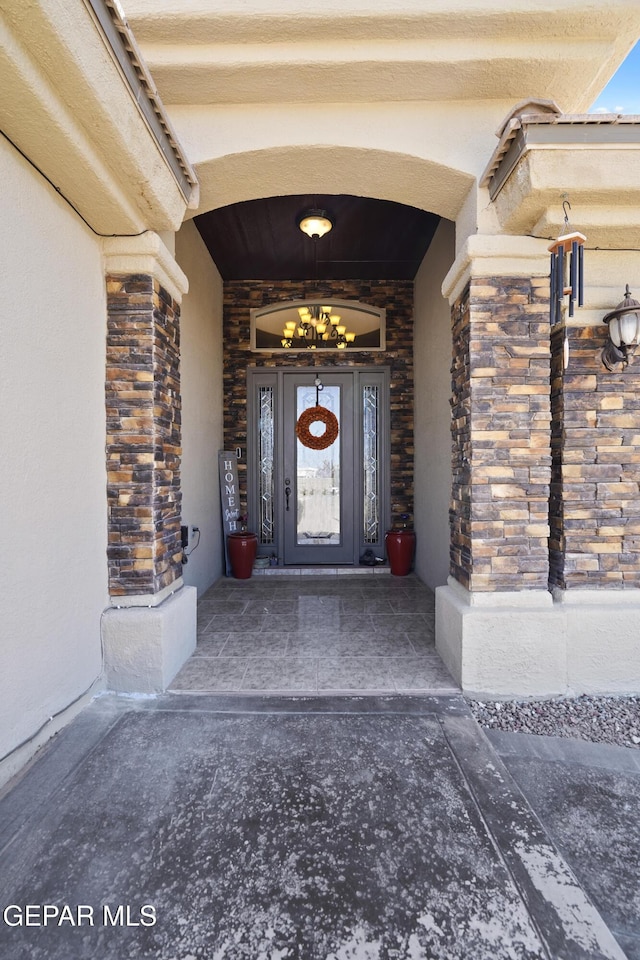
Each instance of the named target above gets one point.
<point>242,552</point>
<point>401,545</point>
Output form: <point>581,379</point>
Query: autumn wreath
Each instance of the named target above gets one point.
<point>307,417</point>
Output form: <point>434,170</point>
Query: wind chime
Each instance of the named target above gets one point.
<point>567,248</point>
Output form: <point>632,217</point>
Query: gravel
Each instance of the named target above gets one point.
<point>598,719</point>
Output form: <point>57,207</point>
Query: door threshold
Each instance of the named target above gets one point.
<point>322,571</point>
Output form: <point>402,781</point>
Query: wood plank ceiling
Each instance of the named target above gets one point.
<point>371,239</point>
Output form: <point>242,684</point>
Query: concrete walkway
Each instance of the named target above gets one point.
<point>317,828</point>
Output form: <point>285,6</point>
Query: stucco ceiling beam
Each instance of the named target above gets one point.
<point>267,21</point>
<point>47,133</point>
<point>604,192</point>
<point>343,52</point>
<point>66,105</point>
<point>606,227</point>
<point>378,71</point>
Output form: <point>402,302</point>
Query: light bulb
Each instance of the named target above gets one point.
<point>614,331</point>
<point>628,328</point>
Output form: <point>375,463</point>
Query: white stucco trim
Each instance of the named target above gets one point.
<point>616,598</point>
<point>496,256</point>
<point>511,598</point>
<point>332,167</point>
<point>531,645</point>
<point>148,599</point>
<point>145,648</point>
<point>145,254</point>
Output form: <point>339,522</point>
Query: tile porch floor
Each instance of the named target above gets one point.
<point>311,634</point>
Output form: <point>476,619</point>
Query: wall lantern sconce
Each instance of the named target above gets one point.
<point>315,223</point>
<point>624,329</point>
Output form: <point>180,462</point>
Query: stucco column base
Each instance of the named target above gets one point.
<point>501,644</point>
<point>144,647</point>
<point>603,640</point>
<point>530,644</point>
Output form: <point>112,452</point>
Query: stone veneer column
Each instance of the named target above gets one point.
<point>495,618</point>
<point>143,436</point>
<point>595,507</point>
<point>498,628</point>
<point>144,647</point>
<point>501,439</point>
<point>595,500</point>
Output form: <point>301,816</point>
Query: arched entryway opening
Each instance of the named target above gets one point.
<point>263,258</point>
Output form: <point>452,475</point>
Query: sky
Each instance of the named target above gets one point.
<point>622,93</point>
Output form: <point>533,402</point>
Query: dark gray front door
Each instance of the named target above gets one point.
<point>323,506</point>
<point>319,507</point>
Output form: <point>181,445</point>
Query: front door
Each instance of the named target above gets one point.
<point>318,483</point>
<point>310,503</point>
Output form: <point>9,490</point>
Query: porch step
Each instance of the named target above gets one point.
<point>322,571</point>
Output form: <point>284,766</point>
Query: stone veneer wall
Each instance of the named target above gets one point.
<point>143,436</point>
<point>395,296</point>
<point>595,505</point>
<point>556,506</point>
<point>501,438</point>
<point>460,563</point>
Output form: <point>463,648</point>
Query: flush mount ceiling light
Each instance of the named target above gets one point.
<point>315,223</point>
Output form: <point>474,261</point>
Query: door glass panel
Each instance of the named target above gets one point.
<point>371,462</point>
<point>318,476</point>
<point>266,465</point>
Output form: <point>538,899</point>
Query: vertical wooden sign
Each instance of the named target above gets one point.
<point>229,498</point>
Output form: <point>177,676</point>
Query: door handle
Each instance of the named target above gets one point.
<point>287,493</point>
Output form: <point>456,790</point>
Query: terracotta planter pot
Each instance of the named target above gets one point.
<point>401,545</point>
<point>242,552</point>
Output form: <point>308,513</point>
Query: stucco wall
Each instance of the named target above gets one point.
<point>52,355</point>
<point>202,403</point>
<point>432,414</point>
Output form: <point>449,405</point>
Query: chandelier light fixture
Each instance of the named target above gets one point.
<point>624,330</point>
<point>315,223</point>
<point>317,325</point>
